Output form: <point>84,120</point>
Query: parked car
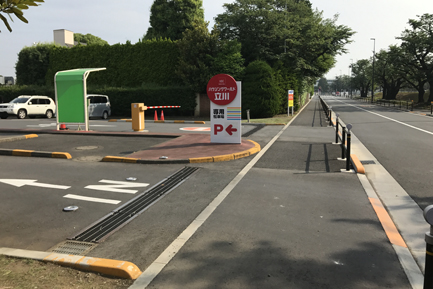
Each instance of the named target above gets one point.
<point>31,105</point>
<point>99,106</point>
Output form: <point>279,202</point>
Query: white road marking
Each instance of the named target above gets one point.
<point>42,125</point>
<point>388,118</point>
<point>116,186</point>
<point>89,199</point>
<point>19,183</point>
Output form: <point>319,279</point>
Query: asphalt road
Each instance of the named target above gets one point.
<point>401,141</point>
<point>293,220</point>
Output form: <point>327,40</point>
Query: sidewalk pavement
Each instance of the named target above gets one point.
<point>290,219</point>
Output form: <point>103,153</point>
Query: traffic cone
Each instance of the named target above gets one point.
<point>156,116</point>
<point>162,115</point>
<point>63,126</point>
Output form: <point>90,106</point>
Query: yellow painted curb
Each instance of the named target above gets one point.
<point>179,121</point>
<point>119,159</point>
<point>61,155</point>
<point>112,120</point>
<point>387,224</point>
<point>358,166</point>
<point>112,159</point>
<point>223,158</point>
<point>199,122</point>
<point>31,136</point>
<point>241,155</point>
<point>255,149</point>
<point>201,160</point>
<point>116,268</point>
<point>23,153</point>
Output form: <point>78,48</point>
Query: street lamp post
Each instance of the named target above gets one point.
<point>350,79</point>
<point>372,80</point>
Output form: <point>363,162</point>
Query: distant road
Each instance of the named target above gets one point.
<point>401,141</point>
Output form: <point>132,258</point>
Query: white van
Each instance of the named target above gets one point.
<point>31,105</point>
<point>98,106</point>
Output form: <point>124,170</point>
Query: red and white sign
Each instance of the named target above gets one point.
<point>222,89</point>
<point>225,114</point>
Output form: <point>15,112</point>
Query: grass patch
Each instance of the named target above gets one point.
<point>277,119</point>
<point>26,273</point>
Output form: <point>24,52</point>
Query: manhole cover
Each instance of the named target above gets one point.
<point>88,159</point>
<point>85,148</point>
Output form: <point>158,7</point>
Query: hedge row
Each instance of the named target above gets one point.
<point>128,65</point>
<point>120,98</point>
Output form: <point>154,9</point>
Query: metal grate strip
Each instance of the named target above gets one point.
<point>73,248</point>
<point>369,162</point>
<point>124,214</point>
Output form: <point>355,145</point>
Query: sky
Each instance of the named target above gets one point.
<point>118,21</point>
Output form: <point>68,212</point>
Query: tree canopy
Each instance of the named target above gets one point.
<point>170,18</point>
<point>16,8</point>
<point>203,55</point>
<point>89,39</point>
<point>417,41</point>
<point>273,30</point>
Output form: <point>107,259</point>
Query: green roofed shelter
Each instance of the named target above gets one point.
<point>71,96</point>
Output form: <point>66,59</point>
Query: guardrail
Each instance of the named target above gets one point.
<point>394,103</point>
<point>343,136</point>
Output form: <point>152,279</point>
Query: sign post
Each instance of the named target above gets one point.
<point>224,92</point>
<point>290,103</point>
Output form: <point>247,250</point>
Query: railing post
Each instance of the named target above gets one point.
<point>330,116</point>
<point>428,274</point>
<point>349,139</point>
<point>343,143</point>
<point>336,130</point>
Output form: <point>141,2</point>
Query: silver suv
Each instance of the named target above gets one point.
<point>99,106</point>
<point>31,105</point>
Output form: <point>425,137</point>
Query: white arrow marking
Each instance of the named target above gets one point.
<point>19,183</point>
<point>116,186</point>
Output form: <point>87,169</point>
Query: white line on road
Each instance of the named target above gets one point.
<point>391,119</point>
<point>89,199</point>
<point>116,186</point>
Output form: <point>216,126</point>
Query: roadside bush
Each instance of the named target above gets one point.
<point>260,91</point>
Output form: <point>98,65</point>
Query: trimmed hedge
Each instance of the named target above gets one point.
<point>147,62</point>
<point>120,98</point>
<point>260,90</point>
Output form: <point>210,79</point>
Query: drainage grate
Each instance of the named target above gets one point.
<point>368,162</point>
<point>102,228</point>
<point>73,248</point>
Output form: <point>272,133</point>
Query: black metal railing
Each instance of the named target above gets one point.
<point>343,136</point>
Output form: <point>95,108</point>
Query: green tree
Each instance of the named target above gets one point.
<point>387,73</point>
<point>361,76</point>
<point>170,18</point>
<point>273,30</point>
<point>417,41</point>
<point>32,65</point>
<point>16,8</point>
<point>323,85</point>
<point>260,90</point>
<point>203,55</point>
<point>89,39</point>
